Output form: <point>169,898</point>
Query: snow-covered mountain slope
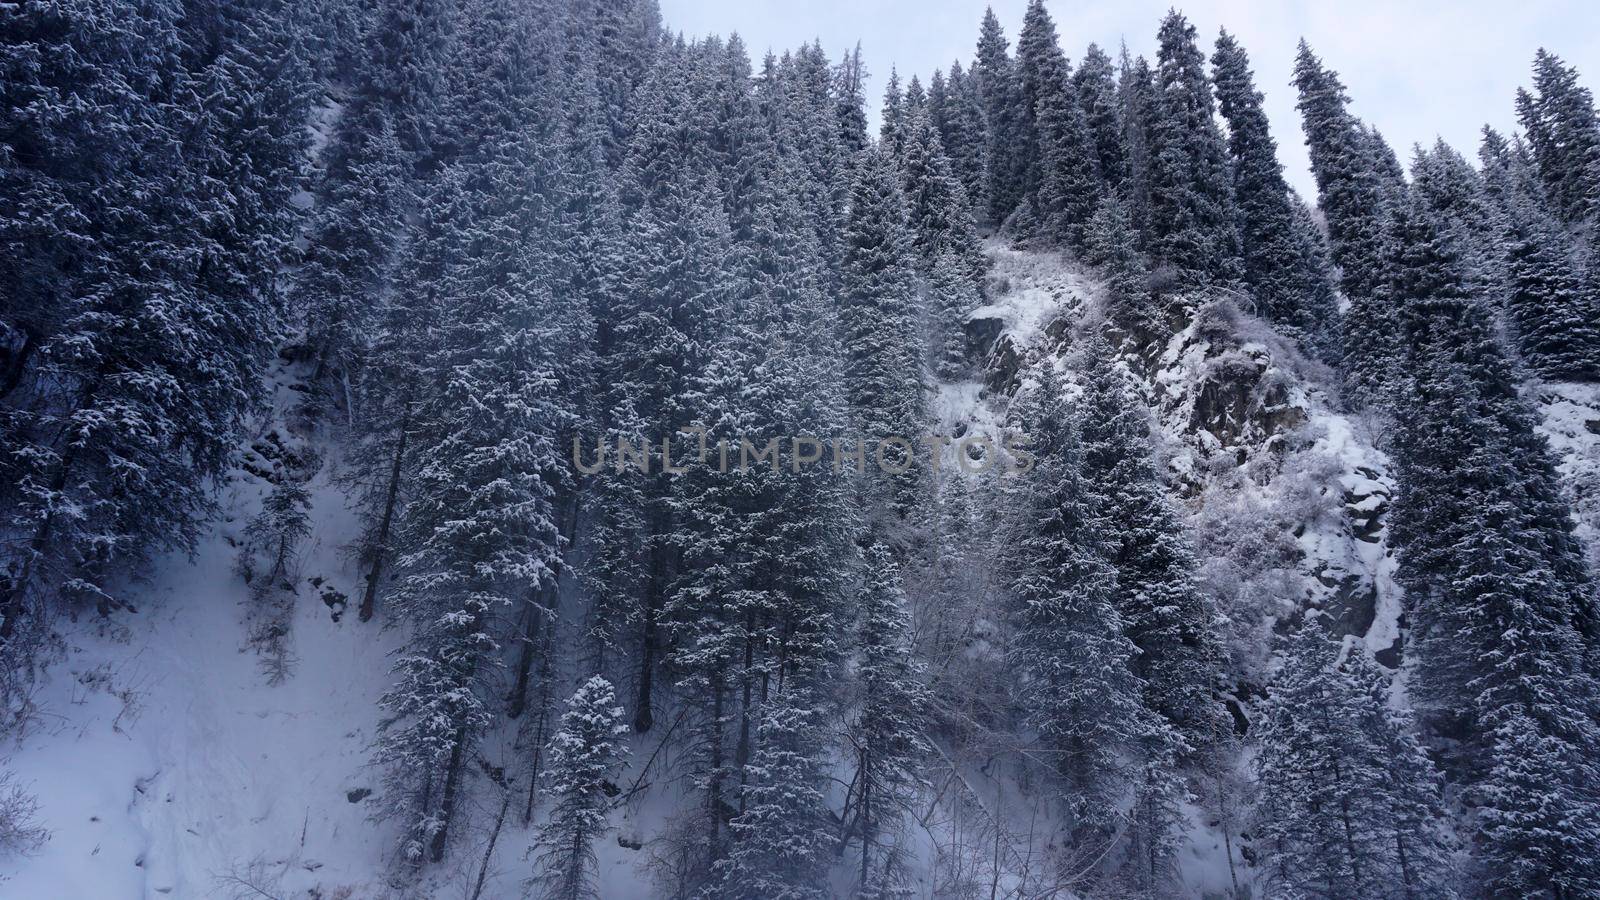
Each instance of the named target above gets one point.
<point>165,765</point>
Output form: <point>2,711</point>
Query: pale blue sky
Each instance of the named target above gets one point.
<point>1416,70</point>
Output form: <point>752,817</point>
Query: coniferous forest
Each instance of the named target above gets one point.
<point>505,448</point>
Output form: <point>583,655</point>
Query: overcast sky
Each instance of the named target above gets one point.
<point>1417,70</point>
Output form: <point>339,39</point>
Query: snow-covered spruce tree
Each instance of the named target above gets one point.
<point>1095,84</point>
<point>1349,802</point>
<point>886,732</point>
<point>950,260</point>
<point>916,96</point>
<point>1499,595</point>
<point>754,604</point>
<point>584,755</point>
<point>478,535</point>
<point>1322,290</point>
<point>655,338</point>
<point>849,86</point>
<point>1552,315</point>
<point>795,526</point>
<point>1137,101</point>
<point>1456,194</point>
<point>143,249</point>
<point>367,178</point>
<point>892,124</point>
<point>1285,283</point>
<point>1386,163</point>
<point>952,297</point>
<point>350,256</point>
<point>710,608</point>
<point>963,134</point>
<point>618,40</point>
<point>1111,245</point>
<point>1041,70</point>
<point>995,76</point>
<point>402,374</point>
<point>782,841</point>
<point>1356,208</point>
<point>1075,685</point>
<point>1193,221</point>
<point>587,236</point>
<point>1564,136</point>
<point>1162,608</point>
<point>1066,178</point>
<point>937,211</point>
<point>883,371</point>
<point>798,96</point>
<point>940,104</point>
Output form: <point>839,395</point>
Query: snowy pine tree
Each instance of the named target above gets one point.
<point>584,755</point>
<point>1192,220</point>
<point>1285,282</point>
<point>886,734</point>
<point>1161,606</point>
<point>1350,804</point>
<point>782,843</point>
<point>1354,204</point>
<point>1071,658</point>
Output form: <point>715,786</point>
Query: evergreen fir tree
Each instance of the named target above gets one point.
<point>937,211</point>
<point>350,258</point>
<point>1066,176</point>
<point>1551,313</point>
<point>1160,604</point>
<point>1095,83</point>
<point>892,127</point>
<point>963,134</point>
<point>1284,280</point>
<point>143,249</point>
<point>953,298</point>
<point>584,755</point>
<point>882,371</point>
<point>1042,80</point>
<point>1137,98</point>
<point>1354,205</point>
<point>1500,598</point>
<point>849,84</point>
<point>999,89</point>
<point>1071,655</point>
<point>1564,136</point>
<point>886,735</point>
<point>1192,221</point>
<point>1111,245</point>
<point>1349,800</point>
<point>781,841</point>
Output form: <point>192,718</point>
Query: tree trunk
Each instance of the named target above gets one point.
<point>549,597</point>
<point>541,725</point>
<point>380,546</point>
<point>494,835</point>
<point>447,804</point>
<point>643,718</point>
<point>714,783</point>
<point>741,756</point>
<point>865,816</point>
<point>518,701</point>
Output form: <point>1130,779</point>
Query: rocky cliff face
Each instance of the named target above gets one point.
<point>1287,495</point>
